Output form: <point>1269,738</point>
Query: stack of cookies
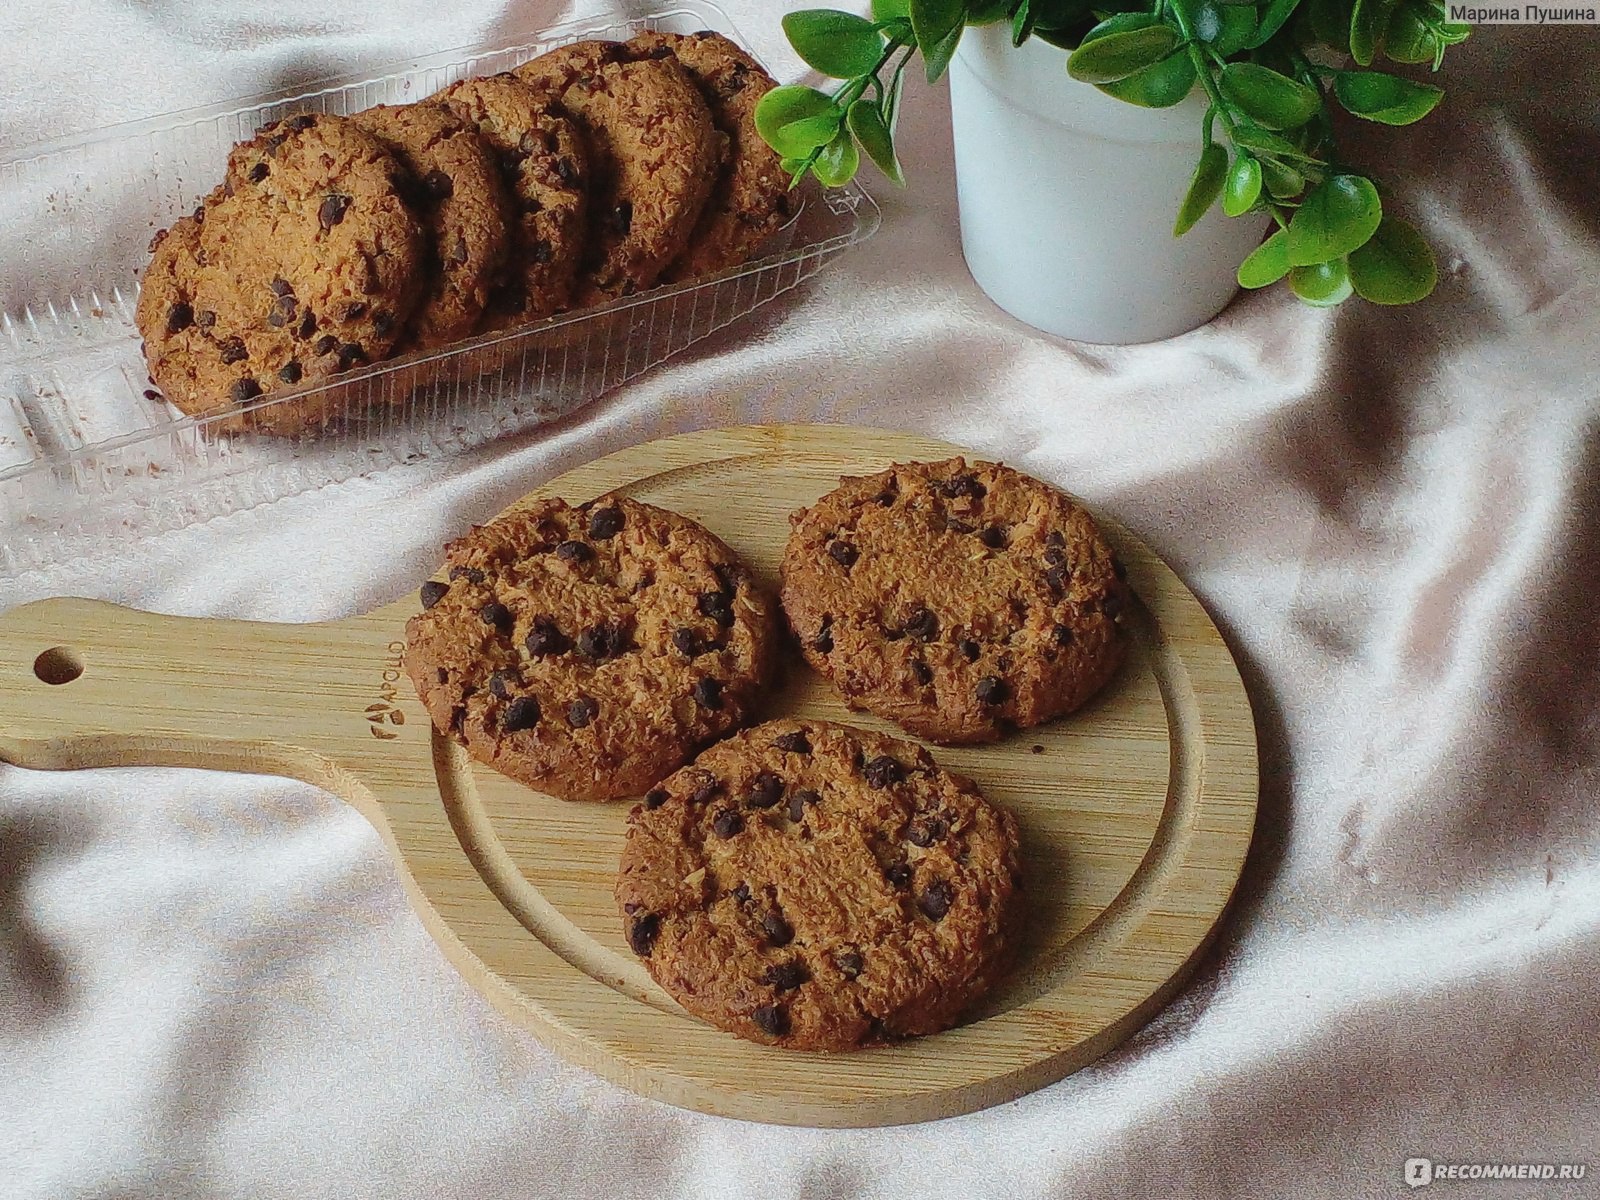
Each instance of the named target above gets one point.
<point>798,882</point>
<point>592,172</point>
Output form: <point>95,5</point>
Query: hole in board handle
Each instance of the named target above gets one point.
<point>57,665</point>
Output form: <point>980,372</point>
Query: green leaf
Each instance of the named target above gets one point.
<point>1022,22</point>
<point>1282,182</point>
<point>1330,22</point>
<point>1204,188</point>
<point>785,105</point>
<point>1268,262</point>
<point>1266,97</point>
<point>1255,138</point>
<point>1369,23</point>
<point>838,162</point>
<point>866,122</point>
<point>1225,27</point>
<point>836,43</point>
<point>1321,284</point>
<point>1336,216</point>
<point>1409,39</point>
<point>891,10</point>
<point>936,58</point>
<point>1112,56</point>
<point>1160,86</point>
<point>932,22</point>
<point>1387,99</point>
<point>1271,21</point>
<point>1395,266</point>
<point>987,12</point>
<point>1061,14</point>
<point>1243,187</point>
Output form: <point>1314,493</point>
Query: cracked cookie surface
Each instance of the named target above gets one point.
<point>655,156</point>
<point>956,601</point>
<point>589,651</point>
<point>819,887</point>
<point>305,263</point>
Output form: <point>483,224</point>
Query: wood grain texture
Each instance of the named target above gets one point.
<point>1136,812</point>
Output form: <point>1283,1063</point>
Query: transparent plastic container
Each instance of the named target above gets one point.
<point>91,455</point>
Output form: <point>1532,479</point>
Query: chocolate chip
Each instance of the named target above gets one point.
<point>232,350</point>
<point>898,875</point>
<point>620,219</point>
<point>383,323</point>
<point>727,823</point>
<point>432,592</point>
<point>281,287</point>
<point>956,526</point>
<point>823,642</point>
<point>883,771</point>
<point>704,790</point>
<point>793,742</point>
<point>500,684</point>
<point>349,355</point>
<point>442,675</point>
<point>303,121</point>
<point>688,642</point>
<point>354,312</point>
<point>642,933</point>
<point>567,170</point>
<point>765,790</point>
<point>283,310</point>
<point>582,711</point>
<point>540,252</point>
<point>439,185</point>
<point>470,574</point>
<point>605,523</point>
<point>786,976</point>
<point>1055,556</point>
<point>326,344</point>
<point>205,318</point>
<point>290,372</point>
<point>497,614</point>
<point>772,1019</point>
<point>779,932</point>
<point>655,798</point>
<point>1056,578</point>
<point>962,485</point>
<point>994,537</point>
<point>1055,538</point>
<point>244,390</point>
<point>797,807</point>
<point>151,394</point>
<point>574,552</point>
<point>925,831</point>
<point>921,671</point>
<point>259,172</point>
<point>849,964</point>
<point>843,553</point>
<point>708,693</point>
<point>459,253</point>
<point>1062,635</point>
<point>992,690</point>
<point>1111,605</point>
<point>922,625</point>
<point>936,899</point>
<point>332,211</point>
<point>179,317</point>
<point>605,640</point>
<point>718,606</point>
<point>741,892</point>
<point>522,713</point>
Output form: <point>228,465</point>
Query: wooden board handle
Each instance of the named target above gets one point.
<point>84,683</point>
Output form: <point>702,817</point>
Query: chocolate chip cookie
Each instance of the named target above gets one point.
<point>957,601</point>
<point>750,200</point>
<point>305,263</point>
<point>818,887</point>
<point>654,153</point>
<point>546,165</point>
<point>457,191</point>
<point>589,651</point>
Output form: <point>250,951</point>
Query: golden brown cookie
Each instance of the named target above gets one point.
<point>819,887</point>
<point>958,602</point>
<point>463,204</point>
<point>589,651</point>
<point>654,155</point>
<point>750,201</point>
<point>304,264</point>
<point>546,165</point>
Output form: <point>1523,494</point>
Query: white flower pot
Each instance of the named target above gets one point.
<point>1068,197</point>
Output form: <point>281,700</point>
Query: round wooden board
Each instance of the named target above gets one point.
<point>1136,812</point>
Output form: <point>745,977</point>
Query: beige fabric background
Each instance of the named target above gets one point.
<point>211,986</point>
